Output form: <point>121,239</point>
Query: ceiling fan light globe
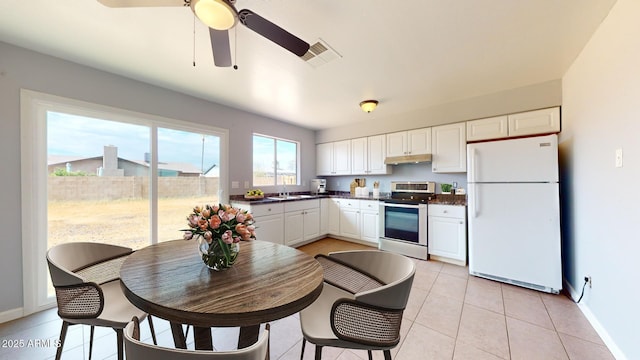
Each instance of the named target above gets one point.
<point>216,14</point>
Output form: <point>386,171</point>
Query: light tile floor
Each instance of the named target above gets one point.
<point>450,315</point>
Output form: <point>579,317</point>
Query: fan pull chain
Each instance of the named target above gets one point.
<point>194,40</point>
<point>235,47</point>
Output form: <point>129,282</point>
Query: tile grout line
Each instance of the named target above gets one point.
<point>506,326</point>
<point>555,329</point>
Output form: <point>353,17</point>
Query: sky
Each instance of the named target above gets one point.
<point>82,136</point>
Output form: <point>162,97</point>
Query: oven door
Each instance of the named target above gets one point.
<point>404,222</point>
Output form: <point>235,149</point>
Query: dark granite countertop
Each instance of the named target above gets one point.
<point>440,199</point>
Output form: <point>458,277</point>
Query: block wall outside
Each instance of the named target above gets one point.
<point>81,188</point>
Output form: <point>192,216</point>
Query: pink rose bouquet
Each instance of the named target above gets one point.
<point>219,228</point>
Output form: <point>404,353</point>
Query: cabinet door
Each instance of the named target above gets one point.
<point>376,151</point>
<point>397,144</point>
<point>535,122</point>
<point>324,159</point>
<point>490,128</point>
<point>447,237</point>
<point>324,216</point>
<point>270,228</point>
<point>342,157</point>
<point>370,225</point>
<point>419,141</point>
<point>311,224</point>
<point>359,156</point>
<point>350,223</point>
<point>334,216</point>
<point>293,228</point>
<point>449,148</point>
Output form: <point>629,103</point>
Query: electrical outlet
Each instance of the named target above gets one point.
<point>619,157</point>
<point>235,184</point>
<point>246,184</point>
<point>588,280</point>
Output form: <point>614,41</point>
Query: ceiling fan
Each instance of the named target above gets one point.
<point>220,16</point>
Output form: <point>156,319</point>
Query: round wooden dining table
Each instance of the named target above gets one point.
<point>268,281</point>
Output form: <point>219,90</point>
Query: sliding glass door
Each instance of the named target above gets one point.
<point>105,175</point>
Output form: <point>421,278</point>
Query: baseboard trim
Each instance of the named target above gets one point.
<point>12,314</point>
<point>597,326</point>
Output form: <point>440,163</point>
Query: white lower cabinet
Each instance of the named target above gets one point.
<point>301,221</point>
<point>269,221</point>
<point>358,219</point>
<point>369,220</point>
<point>448,233</point>
<point>334,216</point>
<point>325,211</point>
<point>350,218</point>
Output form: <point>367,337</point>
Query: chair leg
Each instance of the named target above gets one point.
<point>153,332</point>
<point>387,355</point>
<point>63,335</point>
<point>304,342</point>
<point>370,355</point>
<point>120,333</point>
<point>318,352</point>
<point>91,341</point>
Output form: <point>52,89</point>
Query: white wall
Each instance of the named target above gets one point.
<point>20,68</point>
<point>601,112</point>
<point>532,97</point>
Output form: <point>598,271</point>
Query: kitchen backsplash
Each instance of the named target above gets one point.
<point>403,172</point>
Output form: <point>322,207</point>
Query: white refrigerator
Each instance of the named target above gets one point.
<point>514,212</point>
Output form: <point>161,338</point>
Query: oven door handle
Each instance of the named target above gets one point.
<point>407,206</point>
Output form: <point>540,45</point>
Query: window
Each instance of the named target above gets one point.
<point>275,161</point>
<point>95,173</point>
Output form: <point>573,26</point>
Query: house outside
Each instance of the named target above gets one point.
<point>109,177</point>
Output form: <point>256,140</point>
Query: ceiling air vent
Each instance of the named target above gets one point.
<point>319,54</point>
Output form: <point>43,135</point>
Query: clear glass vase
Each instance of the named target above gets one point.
<point>218,255</point>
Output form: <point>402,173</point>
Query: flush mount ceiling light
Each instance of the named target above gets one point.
<point>216,14</point>
<point>368,105</point>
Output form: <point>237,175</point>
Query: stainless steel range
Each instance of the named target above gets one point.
<point>403,223</point>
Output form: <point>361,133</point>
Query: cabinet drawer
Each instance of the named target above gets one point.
<point>369,205</point>
<point>301,205</point>
<point>451,211</point>
<point>350,204</point>
<point>266,209</point>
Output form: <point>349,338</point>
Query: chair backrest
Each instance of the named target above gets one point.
<point>396,271</point>
<point>134,349</point>
<point>65,259</point>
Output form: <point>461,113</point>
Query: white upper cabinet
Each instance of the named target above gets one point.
<point>324,159</point>
<point>545,121</point>
<point>359,156</point>
<point>535,122</point>
<point>334,158</point>
<point>367,156</point>
<point>377,148</point>
<point>419,141</point>
<point>342,157</point>
<point>449,148</point>
<point>412,142</point>
<point>397,144</point>
<point>490,128</point>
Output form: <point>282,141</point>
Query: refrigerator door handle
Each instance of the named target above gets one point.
<point>474,155</point>
<point>475,204</point>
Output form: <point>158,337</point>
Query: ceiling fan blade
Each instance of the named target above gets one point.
<point>141,3</point>
<point>273,32</point>
<point>220,47</point>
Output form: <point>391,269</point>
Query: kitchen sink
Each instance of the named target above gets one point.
<point>290,197</point>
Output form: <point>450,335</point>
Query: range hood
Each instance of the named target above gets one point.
<point>407,159</point>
